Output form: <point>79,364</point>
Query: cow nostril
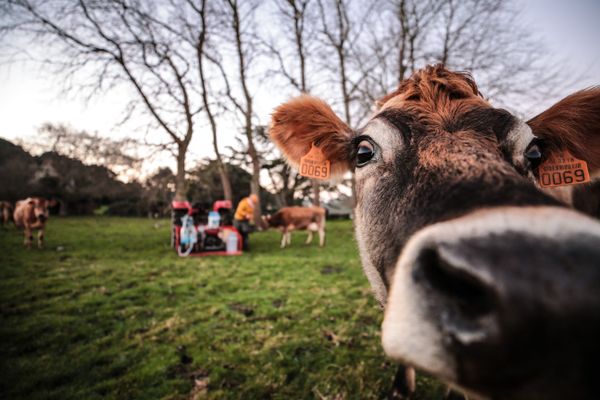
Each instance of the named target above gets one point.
<point>472,296</point>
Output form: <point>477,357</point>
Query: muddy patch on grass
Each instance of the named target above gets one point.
<point>243,309</point>
<point>331,269</point>
<point>278,303</point>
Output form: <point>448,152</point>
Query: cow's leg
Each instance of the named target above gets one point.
<point>289,238</point>
<point>404,383</point>
<point>283,239</point>
<point>28,235</point>
<point>309,237</point>
<point>321,237</point>
<point>41,239</point>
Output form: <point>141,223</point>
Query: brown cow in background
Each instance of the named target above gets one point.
<point>5,212</point>
<point>289,219</point>
<point>30,214</point>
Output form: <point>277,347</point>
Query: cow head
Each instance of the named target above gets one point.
<point>6,205</point>
<point>40,207</point>
<point>487,282</point>
<point>266,220</point>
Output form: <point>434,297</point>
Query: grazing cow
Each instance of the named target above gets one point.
<point>487,282</point>
<point>5,212</point>
<point>30,214</point>
<point>290,219</point>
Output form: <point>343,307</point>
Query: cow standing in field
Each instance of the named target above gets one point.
<point>5,212</point>
<point>288,219</point>
<point>487,282</point>
<point>30,214</point>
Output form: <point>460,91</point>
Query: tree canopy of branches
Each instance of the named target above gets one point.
<point>155,48</point>
<point>120,155</point>
<point>195,65</point>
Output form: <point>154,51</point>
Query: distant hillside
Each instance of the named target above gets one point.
<point>16,170</point>
<point>80,188</point>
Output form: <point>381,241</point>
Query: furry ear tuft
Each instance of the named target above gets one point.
<point>573,124</point>
<point>305,120</point>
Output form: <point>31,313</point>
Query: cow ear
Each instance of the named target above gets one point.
<point>305,120</point>
<point>30,201</point>
<point>572,124</point>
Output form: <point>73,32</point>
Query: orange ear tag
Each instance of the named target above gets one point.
<point>562,169</point>
<point>314,164</point>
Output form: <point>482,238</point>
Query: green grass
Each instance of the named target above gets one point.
<point>107,310</point>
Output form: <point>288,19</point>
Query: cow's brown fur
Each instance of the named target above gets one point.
<point>434,88</point>
<point>289,219</point>
<point>30,214</point>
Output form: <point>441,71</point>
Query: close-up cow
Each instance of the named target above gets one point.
<point>488,282</point>
<point>31,214</point>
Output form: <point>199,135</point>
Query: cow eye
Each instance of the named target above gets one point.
<point>533,153</point>
<point>364,153</point>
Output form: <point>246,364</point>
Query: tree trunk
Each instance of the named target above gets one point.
<point>227,192</point>
<point>255,183</point>
<point>316,193</point>
<point>225,182</point>
<point>180,185</point>
<point>223,174</point>
<point>248,112</point>
<point>402,51</point>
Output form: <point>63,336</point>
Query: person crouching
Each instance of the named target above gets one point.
<point>244,215</point>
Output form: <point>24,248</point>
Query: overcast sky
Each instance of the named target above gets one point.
<point>570,29</point>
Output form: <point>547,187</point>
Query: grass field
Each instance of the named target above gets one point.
<point>107,310</point>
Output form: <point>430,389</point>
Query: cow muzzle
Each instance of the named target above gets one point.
<point>503,303</point>
<point>42,217</point>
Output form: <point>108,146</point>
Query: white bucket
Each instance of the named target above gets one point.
<point>232,243</point>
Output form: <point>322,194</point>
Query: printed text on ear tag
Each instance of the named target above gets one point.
<point>314,165</point>
<point>562,169</point>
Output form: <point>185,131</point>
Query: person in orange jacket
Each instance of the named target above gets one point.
<point>243,215</point>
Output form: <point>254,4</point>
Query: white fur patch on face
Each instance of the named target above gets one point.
<point>389,142</point>
<point>518,139</point>
<point>410,333</point>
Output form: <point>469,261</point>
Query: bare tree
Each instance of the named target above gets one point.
<point>239,19</point>
<point>101,45</point>
<point>485,38</point>
<point>479,36</point>
<point>341,34</point>
<point>200,44</point>
<point>285,183</point>
<point>337,36</point>
<point>298,35</point>
<point>120,155</point>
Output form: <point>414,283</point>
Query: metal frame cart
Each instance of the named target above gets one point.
<point>193,235</point>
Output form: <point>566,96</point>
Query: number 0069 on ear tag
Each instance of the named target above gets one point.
<point>314,164</point>
<point>563,169</point>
